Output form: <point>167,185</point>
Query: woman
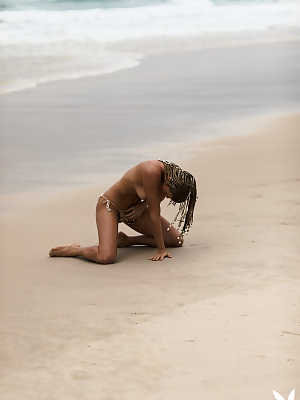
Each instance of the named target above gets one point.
<point>135,200</point>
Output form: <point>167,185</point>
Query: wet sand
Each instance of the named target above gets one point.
<point>72,133</point>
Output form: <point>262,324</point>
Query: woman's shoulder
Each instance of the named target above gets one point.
<point>150,167</point>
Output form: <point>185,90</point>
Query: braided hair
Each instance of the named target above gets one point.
<point>183,188</point>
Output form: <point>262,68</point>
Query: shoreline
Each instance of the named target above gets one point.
<point>220,318</point>
<point>135,52</point>
<point>251,126</point>
<point>73,131</point>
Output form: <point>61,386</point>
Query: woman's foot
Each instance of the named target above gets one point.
<point>123,240</point>
<point>65,251</point>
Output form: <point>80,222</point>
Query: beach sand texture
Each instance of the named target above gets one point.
<point>90,88</point>
<point>221,320</point>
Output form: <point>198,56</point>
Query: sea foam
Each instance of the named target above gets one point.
<point>39,45</point>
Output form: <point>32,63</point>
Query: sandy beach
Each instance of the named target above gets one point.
<point>90,88</point>
<point>218,321</point>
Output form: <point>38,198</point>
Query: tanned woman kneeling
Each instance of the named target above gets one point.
<point>135,200</point>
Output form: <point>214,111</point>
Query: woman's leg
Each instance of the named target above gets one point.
<point>106,251</point>
<point>143,225</point>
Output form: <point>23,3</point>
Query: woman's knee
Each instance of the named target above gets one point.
<point>108,258</point>
<point>179,241</point>
<point>175,240</point>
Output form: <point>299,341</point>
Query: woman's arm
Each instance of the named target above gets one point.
<point>151,176</point>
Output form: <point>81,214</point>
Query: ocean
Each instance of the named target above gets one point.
<point>48,40</point>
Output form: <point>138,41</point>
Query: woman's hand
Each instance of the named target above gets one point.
<point>160,255</point>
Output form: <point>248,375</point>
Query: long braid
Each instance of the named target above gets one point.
<point>178,179</point>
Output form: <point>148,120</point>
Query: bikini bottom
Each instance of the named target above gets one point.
<point>128,216</point>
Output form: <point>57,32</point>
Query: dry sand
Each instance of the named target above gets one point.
<point>221,320</point>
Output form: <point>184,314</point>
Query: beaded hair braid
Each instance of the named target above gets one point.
<point>178,179</point>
